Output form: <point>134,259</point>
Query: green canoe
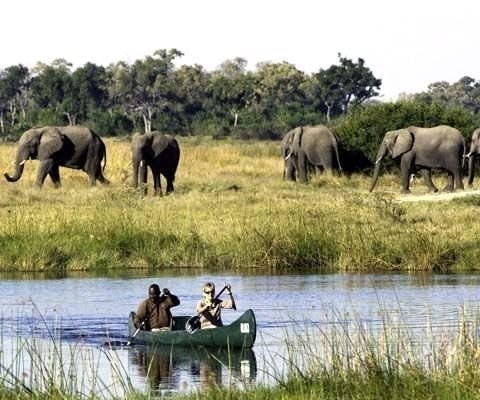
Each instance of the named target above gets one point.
<point>240,333</point>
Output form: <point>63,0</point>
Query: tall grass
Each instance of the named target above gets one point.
<point>231,210</point>
<point>345,358</point>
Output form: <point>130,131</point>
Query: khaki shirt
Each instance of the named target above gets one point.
<point>212,317</point>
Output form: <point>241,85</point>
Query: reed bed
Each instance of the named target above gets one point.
<point>346,358</point>
<point>231,211</point>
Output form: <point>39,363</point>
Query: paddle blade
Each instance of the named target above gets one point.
<point>192,324</point>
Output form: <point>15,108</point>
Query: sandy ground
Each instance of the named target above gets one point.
<point>439,196</point>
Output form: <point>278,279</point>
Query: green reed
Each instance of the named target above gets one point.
<point>345,358</point>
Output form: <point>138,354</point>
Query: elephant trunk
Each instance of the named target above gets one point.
<point>381,153</point>
<point>19,164</point>
<point>471,168</point>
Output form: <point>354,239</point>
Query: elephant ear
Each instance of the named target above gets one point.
<point>403,143</point>
<point>51,141</point>
<point>297,139</point>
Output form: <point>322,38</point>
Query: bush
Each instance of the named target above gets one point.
<point>111,124</point>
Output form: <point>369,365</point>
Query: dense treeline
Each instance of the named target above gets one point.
<point>152,93</point>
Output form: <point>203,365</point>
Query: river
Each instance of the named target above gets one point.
<point>85,315</point>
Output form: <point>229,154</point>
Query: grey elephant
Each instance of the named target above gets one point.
<point>421,149</point>
<point>309,147</point>
<point>159,152</point>
<point>474,151</point>
<point>74,147</point>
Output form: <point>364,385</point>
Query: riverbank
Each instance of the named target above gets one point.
<point>231,211</point>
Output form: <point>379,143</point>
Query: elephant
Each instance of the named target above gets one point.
<point>309,147</point>
<point>422,149</point>
<point>159,152</point>
<point>75,147</point>
<point>474,151</point>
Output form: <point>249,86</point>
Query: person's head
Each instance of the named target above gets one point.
<point>209,290</point>
<point>154,291</point>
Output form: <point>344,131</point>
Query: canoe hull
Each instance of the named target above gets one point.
<point>241,333</point>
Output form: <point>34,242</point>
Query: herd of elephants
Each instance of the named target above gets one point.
<point>304,148</point>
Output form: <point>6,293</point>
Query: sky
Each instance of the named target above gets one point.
<point>408,44</point>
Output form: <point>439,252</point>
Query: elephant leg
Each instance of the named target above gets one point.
<point>406,171</point>
<point>102,179</point>
<point>157,186</point>
<point>143,176</point>
<point>170,179</point>
<point>43,170</point>
<point>289,171</point>
<point>302,167</point>
<point>55,175</point>
<point>450,183</point>
<point>427,178</point>
<point>458,181</point>
<point>91,179</point>
<point>327,163</point>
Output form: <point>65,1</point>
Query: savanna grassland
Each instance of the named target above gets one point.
<point>231,211</point>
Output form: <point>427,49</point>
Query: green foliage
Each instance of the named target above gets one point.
<point>264,103</point>
<point>111,124</point>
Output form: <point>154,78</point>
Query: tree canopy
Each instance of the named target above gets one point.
<point>153,93</point>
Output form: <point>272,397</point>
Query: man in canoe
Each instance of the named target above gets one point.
<point>153,314</point>
<point>210,307</point>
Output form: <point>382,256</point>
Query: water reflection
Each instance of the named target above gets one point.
<point>178,368</point>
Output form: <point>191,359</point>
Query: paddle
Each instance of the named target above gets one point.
<point>193,323</point>
<point>135,333</point>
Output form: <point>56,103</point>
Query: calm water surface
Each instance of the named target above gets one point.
<point>88,312</point>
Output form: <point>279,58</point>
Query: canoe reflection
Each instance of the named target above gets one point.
<point>178,368</point>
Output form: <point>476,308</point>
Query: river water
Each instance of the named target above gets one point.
<point>88,317</point>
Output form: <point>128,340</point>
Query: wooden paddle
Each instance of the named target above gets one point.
<point>193,323</point>
<point>135,333</point>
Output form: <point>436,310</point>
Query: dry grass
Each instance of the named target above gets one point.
<point>231,210</point>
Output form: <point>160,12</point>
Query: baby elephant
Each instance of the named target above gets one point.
<point>159,152</point>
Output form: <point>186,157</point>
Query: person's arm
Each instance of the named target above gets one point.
<point>171,298</point>
<point>202,307</point>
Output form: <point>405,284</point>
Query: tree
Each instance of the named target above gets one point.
<point>340,86</point>
<point>463,93</point>
<point>50,83</point>
<point>231,88</point>
<point>14,87</point>
<point>153,88</point>
<point>278,85</point>
<point>84,92</point>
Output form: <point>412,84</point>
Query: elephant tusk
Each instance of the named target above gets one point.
<point>22,162</point>
<point>142,163</point>
<point>378,161</point>
<point>288,156</point>
<point>468,155</point>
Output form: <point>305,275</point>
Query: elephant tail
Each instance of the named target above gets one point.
<point>338,158</point>
<point>104,160</point>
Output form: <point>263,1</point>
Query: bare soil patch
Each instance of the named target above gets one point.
<point>439,196</point>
